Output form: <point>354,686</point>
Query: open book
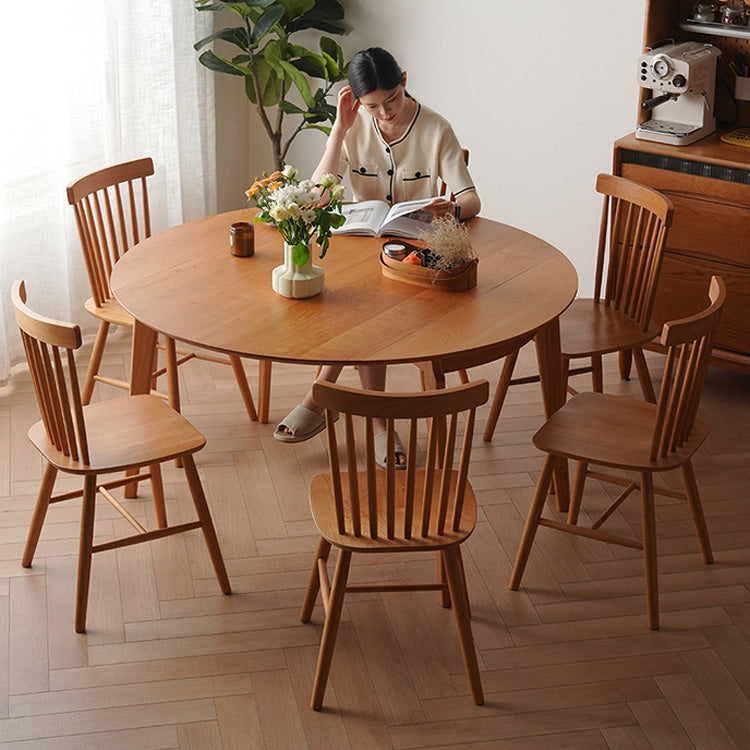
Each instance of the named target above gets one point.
<point>377,219</point>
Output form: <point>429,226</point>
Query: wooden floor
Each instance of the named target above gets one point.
<point>568,661</point>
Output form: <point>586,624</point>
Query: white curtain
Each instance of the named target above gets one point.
<point>86,84</point>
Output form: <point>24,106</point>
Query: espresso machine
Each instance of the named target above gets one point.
<point>682,80</point>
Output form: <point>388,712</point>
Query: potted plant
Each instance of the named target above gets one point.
<point>274,67</point>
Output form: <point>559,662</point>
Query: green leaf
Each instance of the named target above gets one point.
<point>300,82</point>
<point>290,109</point>
<point>235,5</point>
<point>295,8</point>
<point>234,35</point>
<point>301,254</point>
<point>270,85</point>
<point>311,65</point>
<point>213,62</point>
<point>322,16</point>
<point>266,22</point>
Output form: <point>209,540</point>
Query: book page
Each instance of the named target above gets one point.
<point>362,218</point>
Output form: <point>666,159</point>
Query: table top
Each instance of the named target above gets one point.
<point>185,283</point>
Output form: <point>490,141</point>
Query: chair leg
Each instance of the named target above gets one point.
<point>40,513</point>
<point>331,627</point>
<point>579,479</point>
<point>94,362</point>
<point>624,360</point>
<point>207,524</point>
<point>649,549</point>
<point>157,490</point>
<point>444,596</point>
<point>644,377</point>
<point>264,389</point>
<point>500,393</point>
<point>597,375</point>
<point>532,521</point>
<point>460,597</point>
<point>241,378</point>
<point>694,500</point>
<point>85,543</point>
<point>313,585</point>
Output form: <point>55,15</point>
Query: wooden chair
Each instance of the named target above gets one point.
<point>111,436</point>
<point>112,214</point>
<point>632,235</point>
<point>370,511</point>
<point>627,434</point>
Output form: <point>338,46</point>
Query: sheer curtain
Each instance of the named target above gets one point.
<point>90,85</point>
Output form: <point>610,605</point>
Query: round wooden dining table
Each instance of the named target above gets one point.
<point>185,283</point>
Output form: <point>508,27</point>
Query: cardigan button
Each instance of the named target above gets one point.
<point>390,172</point>
<point>389,198</point>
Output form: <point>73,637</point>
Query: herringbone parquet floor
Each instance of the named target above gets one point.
<point>168,662</point>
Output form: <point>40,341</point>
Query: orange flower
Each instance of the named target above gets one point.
<point>274,185</point>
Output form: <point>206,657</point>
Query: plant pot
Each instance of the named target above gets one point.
<point>297,282</point>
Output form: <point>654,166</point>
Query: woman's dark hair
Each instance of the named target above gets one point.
<point>372,69</point>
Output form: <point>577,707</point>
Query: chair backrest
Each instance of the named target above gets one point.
<point>632,235</point>
<point>689,342</point>
<point>110,223</point>
<point>429,502</point>
<point>49,346</point>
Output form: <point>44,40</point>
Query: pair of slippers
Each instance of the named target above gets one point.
<point>303,423</point>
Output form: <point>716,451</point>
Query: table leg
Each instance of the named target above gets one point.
<point>142,358</point>
<point>551,376</point>
<point>141,369</point>
<point>264,389</point>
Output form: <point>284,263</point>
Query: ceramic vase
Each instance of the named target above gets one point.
<point>297,282</point>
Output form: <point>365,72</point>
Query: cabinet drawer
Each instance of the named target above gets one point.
<point>704,224</point>
<point>683,290</point>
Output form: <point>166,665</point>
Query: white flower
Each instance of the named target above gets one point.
<point>278,213</point>
<point>337,191</point>
<point>289,171</point>
<point>294,210</point>
<point>308,215</point>
<point>328,180</point>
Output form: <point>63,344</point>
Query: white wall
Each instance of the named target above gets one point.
<point>537,92</point>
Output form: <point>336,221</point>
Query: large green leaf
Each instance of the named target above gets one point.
<point>235,5</point>
<point>213,62</point>
<point>234,35</point>
<point>322,16</point>
<point>269,82</point>
<point>295,8</point>
<point>300,82</point>
<point>290,108</point>
<point>266,22</point>
<point>310,65</point>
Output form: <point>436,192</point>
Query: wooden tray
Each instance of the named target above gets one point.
<point>456,280</point>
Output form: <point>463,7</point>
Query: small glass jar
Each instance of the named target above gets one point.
<point>242,239</point>
<point>734,13</point>
<point>705,11</point>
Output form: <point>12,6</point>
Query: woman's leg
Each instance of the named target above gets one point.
<point>329,373</point>
<point>372,378</point>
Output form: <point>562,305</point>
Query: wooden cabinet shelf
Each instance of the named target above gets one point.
<point>709,184</point>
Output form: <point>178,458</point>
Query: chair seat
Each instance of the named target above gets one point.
<point>124,433</point>
<point>111,311</point>
<point>575,431</point>
<point>323,511</point>
<point>588,327</point>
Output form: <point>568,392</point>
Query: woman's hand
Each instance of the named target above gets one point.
<point>441,207</point>
<point>346,109</point>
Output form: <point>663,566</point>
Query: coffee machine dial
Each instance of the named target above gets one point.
<point>661,66</point>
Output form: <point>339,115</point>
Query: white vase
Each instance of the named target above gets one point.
<point>297,282</point>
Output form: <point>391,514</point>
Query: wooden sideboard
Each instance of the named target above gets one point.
<point>709,184</point>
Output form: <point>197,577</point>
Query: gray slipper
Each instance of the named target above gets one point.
<point>302,423</point>
<point>381,448</point>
